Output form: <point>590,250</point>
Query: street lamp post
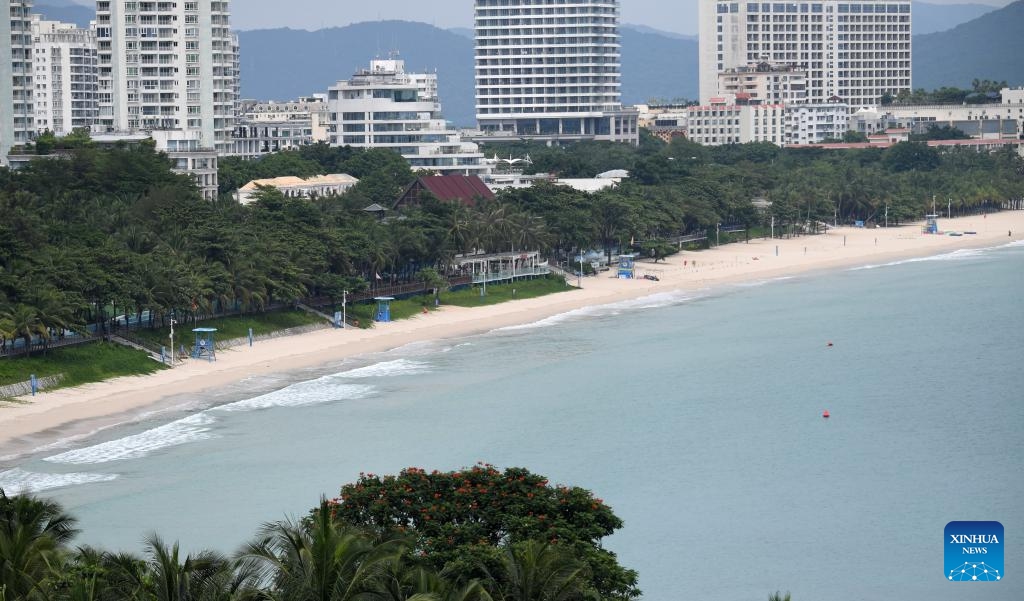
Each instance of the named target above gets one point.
<point>718,240</point>
<point>172,340</point>
<point>579,276</point>
<point>344,309</point>
<point>949,208</point>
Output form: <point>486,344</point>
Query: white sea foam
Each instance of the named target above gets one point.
<point>190,429</point>
<point>962,254</point>
<point>653,301</point>
<point>18,481</point>
<point>398,367</point>
<point>759,283</point>
<point>314,392</point>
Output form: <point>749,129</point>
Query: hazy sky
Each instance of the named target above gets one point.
<point>669,15</point>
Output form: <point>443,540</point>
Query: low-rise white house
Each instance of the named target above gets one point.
<point>320,186</point>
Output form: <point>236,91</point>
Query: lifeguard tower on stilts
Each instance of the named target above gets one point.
<point>931,224</point>
<point>205,345</point>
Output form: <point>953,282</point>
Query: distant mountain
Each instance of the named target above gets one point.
<point>989,47</point>
<point>661,32</point>
<point>279,64</point>
<point>655,66</point>
<point>931,18</point>
<point>466,32</point>
<point>66,11</point>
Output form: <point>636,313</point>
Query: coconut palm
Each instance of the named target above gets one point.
<point>539,571</point>
<point>33,533</point>
<point>777,596</point>
<point>195,578</point>
<point>23,322</point>
<point>319,560</point>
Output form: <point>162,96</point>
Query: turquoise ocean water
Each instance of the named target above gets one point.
<point>696,416</point>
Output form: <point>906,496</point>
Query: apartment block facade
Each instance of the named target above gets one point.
<point>168,65</point>
<point>64,76</point>
<point>550,70</point>
<point>17,124</point>
<point>385,107</point>
<point>856,51</point>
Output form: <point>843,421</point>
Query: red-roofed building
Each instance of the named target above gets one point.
<point>463,189</point>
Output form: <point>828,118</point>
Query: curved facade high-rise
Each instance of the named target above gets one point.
<point>550,69</point>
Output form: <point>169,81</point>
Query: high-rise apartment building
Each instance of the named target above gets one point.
<point>168,65</point>
<point>17,124</point>
<point>385,107</point>
<point>551,70</point>
<point>856,51</point>
<point>64,77</point>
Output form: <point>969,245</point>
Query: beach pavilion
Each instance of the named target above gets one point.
<point>502,267</point>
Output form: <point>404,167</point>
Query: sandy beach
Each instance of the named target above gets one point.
<point>49,416</point>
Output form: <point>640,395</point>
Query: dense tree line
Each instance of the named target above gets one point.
<point>103,232</point>
<point>683,186</point>
<point>535,542</point>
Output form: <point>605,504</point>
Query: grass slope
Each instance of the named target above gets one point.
<point>80,364</point>
<point>236,326</point>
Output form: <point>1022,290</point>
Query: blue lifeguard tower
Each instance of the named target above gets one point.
<point>205,347</point>
<point>383,308</point>
<point>931,224</point>
<point>627,267</point>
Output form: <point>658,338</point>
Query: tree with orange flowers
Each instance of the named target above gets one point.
<point>463,522</point>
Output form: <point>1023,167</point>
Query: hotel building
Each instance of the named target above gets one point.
<point>64,77</point>
<point>17,123</point>
<point>385,107</point>
<point>856,51</point>
<point>550,70</point>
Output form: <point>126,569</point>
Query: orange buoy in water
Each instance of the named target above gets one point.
<point>826,414</point>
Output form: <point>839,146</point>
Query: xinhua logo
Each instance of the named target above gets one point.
<point>974,551</point>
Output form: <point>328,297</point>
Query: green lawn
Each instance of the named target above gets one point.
<point>470,297</point>
<point>467,297</point>
<point>236,326</point>
<point>80,364</point>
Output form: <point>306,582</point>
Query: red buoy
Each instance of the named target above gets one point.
<point>826,414</point>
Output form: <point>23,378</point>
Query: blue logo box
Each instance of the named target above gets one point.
<point>974,551</point>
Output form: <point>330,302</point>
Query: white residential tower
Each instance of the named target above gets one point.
<point>168,65</point>
<point>856,51</point>
<point>550,70</point>
<point>64,77</point>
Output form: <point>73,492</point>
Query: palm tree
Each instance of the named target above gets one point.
<point>33,533</point>
<point>196,578</point>
<point>24,323</point>
<point>320,561</point>
<point>776,596</point>
<point>540,571</point>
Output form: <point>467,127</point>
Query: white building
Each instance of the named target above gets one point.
<point>318,186</point>
<point>723,121</point>
<point>167,65</point>
<point>980,121</point>
<point>550,70</point>
<point>815,123</point>
<point>730,120</point>
<point>765,83</point>
<point>64,77</point>
<point>856,50</point>
<point>265,127</point>
<point>16,109</point>
<point>385,107</point>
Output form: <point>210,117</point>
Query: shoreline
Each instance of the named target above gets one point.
<point>82,412</point>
